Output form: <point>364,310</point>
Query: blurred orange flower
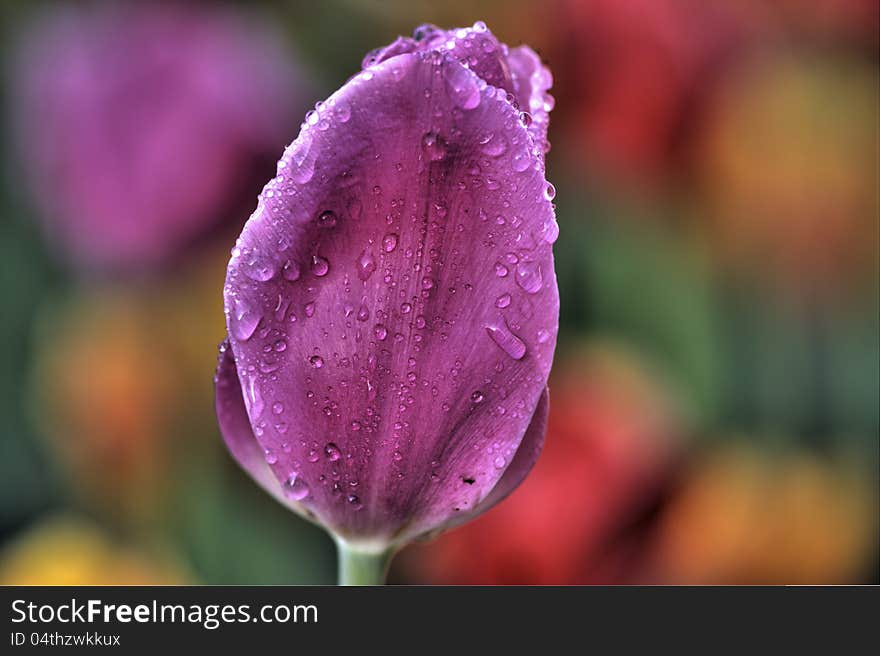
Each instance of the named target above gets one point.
<point>789,172</point>
<point>611,445</point>
<point>743,516</point>
<point>123,387</point>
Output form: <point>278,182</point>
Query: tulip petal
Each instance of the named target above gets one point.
<point>521,464</point>
<point>236,427</point>
<point>392,303</point>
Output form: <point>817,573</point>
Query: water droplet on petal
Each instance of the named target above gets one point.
<point>493,145</point>
<point>320,265</point>
<point>543,336</point>
<point>500,270</point>
<point>507,341</point>
<point>327,219</point>
<point>365,265</point>
<point>380,332</point>
<point>296,488</point>
<point>529,276</point>
<point>332,452</point>
<point>316,361</point>
<point>389,242</point>
<point>477,397</point>
<point>243,321</point>
<point>502,301</point>
<point>500,462</point>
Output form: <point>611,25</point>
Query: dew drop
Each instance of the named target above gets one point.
<point>316,361</point>
<point>332,452</point>
<point>477,397</point>
<point>543,336</point>
<point>529,277</point>
<point>380,332</point>
<point>365,265</point>
<point>500,462</point>
<point>500,270</point>
<point>296,488</point>
<point>327,219</point>
<point>549,191</point>
<point>507,341</point>
<point>493,145</point>
<point>243,321</point>
<point>389,242</point>
<point>502,301</point>
<point>309,309</point>
<point>320,265</point>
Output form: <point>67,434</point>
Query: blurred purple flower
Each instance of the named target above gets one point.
<point>391,304</point>
<point>139,124</point>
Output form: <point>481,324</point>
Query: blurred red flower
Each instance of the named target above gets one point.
<point>630,75</point>
<point>609,450</point>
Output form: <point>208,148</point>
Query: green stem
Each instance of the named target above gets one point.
<point>362,567</point>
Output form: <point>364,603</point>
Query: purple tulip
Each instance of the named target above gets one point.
<point>391,304</point>
<point>137,123</point>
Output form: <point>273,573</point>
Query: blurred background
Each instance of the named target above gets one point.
<point>715,398</point>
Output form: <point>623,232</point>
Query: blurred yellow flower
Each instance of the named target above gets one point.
<point>69,551</point>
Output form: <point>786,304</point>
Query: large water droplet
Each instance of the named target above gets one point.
<point>366,264</point>
<point>529,276</point>
<point>380,332</point>
<point>507,341</point>
<point>243,321</point>
<point>389,242</point>
<point>316,361</point>
<point>493,145</point>
<point>296,488</point>
<point>259,269</point>
<point>332,452</point>
<point>254,399</point>
<point>320,265</point>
